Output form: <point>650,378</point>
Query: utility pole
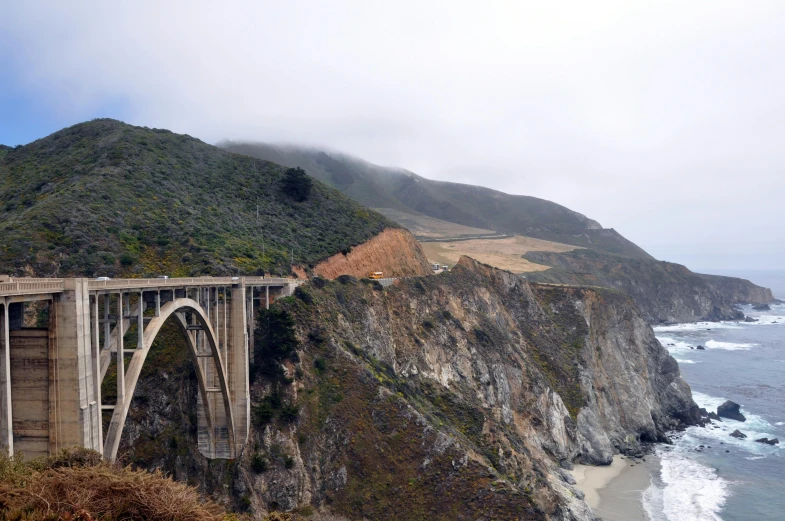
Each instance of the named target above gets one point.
<point>257,214</point>
<point>292,264</point>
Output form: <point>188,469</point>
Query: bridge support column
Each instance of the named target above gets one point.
<point>75,408</point>
<point>6,419</point>
<point>237,367</point>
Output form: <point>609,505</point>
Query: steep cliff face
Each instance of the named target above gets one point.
<point>664,291</point>
<point>739,291</point>
<point>458,396</point>
<point>394,252</point>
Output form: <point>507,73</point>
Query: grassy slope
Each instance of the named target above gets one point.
<point>468,205</point>
<point>107,198</point>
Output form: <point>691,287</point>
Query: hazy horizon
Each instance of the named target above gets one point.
<point>663,121</point>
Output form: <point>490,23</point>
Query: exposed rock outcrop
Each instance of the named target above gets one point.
<point>394,252</point>
<point>731,410</point>
<point>452,397</point>
<point>738,434</point>
<point>665,292</point>
<point>739,291</point>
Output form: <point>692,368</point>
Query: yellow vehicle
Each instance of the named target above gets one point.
<point>376,275</point>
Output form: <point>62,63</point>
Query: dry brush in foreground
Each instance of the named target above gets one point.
<point>77,486</point>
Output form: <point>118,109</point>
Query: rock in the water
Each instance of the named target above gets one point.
<point>701,348</point>
<point>750,319</point>
<point>704,412</point>
<point>731,411</point>
<point>767,441</point>
<point>761,307</point>
<point>713,416</point>
<point>738,434</point>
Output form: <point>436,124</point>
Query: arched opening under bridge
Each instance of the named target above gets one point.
<point>217,433</point>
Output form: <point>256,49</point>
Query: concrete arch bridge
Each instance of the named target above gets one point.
<point>50,377</point>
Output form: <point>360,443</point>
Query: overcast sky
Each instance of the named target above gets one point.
<point>664,120</point>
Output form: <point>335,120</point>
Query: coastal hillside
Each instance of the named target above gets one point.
<point>437,211</point>
<point>107,198</point>
<point>406,197</point>
<point>452,397</point>
<point>664,291</point>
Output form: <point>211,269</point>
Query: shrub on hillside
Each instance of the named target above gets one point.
<point>274,341</point>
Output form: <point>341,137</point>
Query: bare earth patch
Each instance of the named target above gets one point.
<point>427,227</point>
<point>503,253</point>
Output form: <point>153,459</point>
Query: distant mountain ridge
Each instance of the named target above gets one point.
<point>384,188</point>
<point>665,292</point>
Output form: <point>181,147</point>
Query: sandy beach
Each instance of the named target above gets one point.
<point>614,492</point>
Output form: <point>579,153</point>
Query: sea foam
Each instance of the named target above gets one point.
<point>697,326</point>
<point>729,346</point>
<point>755,427</point>
<point>688,491</point>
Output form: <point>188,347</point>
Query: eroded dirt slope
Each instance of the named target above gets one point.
<point>394,252</point>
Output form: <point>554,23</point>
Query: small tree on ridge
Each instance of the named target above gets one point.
<point>297,184</point>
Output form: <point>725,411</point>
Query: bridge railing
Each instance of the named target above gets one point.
<point>26,286</point>
<point>31,286</point>
<point>185,281</point>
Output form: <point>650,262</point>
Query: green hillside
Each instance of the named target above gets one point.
<point>107,198</point>
<point>475,206</point>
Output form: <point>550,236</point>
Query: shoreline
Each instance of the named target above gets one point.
<point>615,492</point>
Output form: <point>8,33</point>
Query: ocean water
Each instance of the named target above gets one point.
<point>728,479</point>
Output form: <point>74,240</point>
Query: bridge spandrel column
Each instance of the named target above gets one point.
<point>75,414</point>
<point>237,366</point>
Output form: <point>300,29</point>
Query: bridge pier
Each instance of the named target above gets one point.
<point>74,397</point>
<point>238,366</point>
<point>6,425</point>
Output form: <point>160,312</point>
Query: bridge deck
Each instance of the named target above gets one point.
<point>30,286</point>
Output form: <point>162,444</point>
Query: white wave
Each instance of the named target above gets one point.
<point>729,346</point>
<point>709,402</point>
<point>719,432</point>
<point>690,491</point>
<point>673,345</point>
<point>686,361</point>
<point>697,326</point>
<point>766,320</point>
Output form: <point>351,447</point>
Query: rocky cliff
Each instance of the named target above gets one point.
<point>664,291</point>
<point>739,291</point>
<point>458,396</point>
<point>394,252</point>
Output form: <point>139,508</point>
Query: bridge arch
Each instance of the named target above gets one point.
<point>217,412</point>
